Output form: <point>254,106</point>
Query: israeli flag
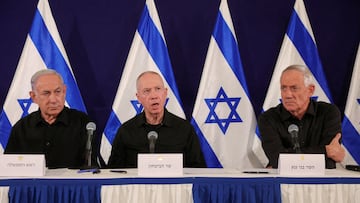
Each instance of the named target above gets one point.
<point>351,122</point>
<point>299,47</point>
<point>148,52</point>
<point>43,49</point>
<point>223,115</point>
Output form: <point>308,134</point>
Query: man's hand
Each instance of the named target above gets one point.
<point>334,149</point>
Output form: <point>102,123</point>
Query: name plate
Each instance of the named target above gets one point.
<point>22,165</point>
<point>302,164</point>
<point>160,165</point>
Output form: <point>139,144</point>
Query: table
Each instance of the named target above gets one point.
<point>196,185</point>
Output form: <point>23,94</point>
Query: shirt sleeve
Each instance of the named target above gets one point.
<point>271,140</point>
<point>194,156</point>
<point>331,125</point>
<point>11,145</point>
<point>116,159</point>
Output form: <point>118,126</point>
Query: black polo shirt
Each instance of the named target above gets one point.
<point>63,142</point>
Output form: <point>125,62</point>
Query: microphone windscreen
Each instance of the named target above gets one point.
<point>293,128</point>
<point>91,126</point>
<point>152,135</point>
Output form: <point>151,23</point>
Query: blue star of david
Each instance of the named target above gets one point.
<point>25,106</point>
<point>139,107</point>
<point>233,115</point>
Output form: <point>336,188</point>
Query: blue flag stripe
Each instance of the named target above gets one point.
<point>257,132</point>
<point>230,50</point>
<point>111,127</point>
<point>351,139</point>
<point>209,155</point>
<point>53,59</point>
<point>5,128</point>
<point>303,42</point>
<point>157,49</point>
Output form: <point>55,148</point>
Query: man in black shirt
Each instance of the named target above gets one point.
<point>319,123</point>
<point>53,130</point>
<point>175,135</point>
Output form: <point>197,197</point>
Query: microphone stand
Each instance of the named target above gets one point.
<point>297,147</point>
<point>88,166</point>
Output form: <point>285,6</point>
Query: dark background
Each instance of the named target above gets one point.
<point>97,35</point>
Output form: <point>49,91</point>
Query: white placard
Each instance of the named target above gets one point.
<point>160,165</point>
<point>302,164</point>
<point>22,165</point>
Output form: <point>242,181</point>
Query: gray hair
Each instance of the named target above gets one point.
<point>144,73</point>
<point>42,72</point>
<point>308,77</point>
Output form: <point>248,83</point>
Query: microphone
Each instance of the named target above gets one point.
<point>293,130</point>
<point>152,137</point>
<point>90,128</point>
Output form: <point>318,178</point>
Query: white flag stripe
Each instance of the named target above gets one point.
<point>147,52</point>
<point>230,141</point>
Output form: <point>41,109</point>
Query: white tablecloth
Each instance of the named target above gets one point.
<point>315,193</point>
<point>172,193</point>
<point>4,194</point>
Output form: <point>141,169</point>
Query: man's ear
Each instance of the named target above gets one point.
<point>32,96</point>
<point>166,91</point>
<point>64,89</point>
<point>311,89</point>
<point>138,96</point>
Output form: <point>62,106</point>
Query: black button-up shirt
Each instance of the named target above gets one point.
<point>319,125</point>
<point>175,135</point>
<point>63,142</point>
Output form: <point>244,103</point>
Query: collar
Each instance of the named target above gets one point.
<point>141,120</point>
<point>286,115</point>
<point>63,117</point>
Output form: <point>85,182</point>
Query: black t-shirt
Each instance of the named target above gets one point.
<point>63,142</point>
<point>175,135</point>
<point>320,124</point>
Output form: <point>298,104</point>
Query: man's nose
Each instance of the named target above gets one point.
<point>52,97</point>
<point>153,93</point>
<point>287,93</point>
